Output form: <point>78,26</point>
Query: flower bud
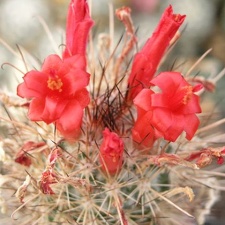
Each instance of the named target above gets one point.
<point>111,152</point>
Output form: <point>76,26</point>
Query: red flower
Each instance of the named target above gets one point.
<point>58,93</point>
<point>173,110</point>
<point>147,60</point>
<point>78,26</point>
<point>111,152</point>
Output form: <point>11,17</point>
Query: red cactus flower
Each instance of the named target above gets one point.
<point>171,111</point>
<point>111,152</point>
<point>78,26</point>
<point>175,108</point>
<point>147,60</point>
<point>58,93</point>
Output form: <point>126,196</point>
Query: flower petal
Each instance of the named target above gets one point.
<point>47,109</point>
<point>193,106</point>
<point>143,99</point>
<point>34,85</point>
<point>77,61</point>
<point>161,119</point>
<point>70,121</point>
<point>160,100</point>
<point>76,80</point>
<point>52,65</point>
<point>191,125</point>
<point>36,109</point>
<point>168,82</point>
<point>82,96</point>
<point>25,92</point>
<point>176,128</point>
<point>53,109</point>
<point>143,131</point>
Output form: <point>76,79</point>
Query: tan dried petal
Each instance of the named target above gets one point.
<point>21,191</point>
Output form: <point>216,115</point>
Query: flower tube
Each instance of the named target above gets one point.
<point>147,60</point>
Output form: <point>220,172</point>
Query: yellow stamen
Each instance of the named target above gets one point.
<point>55,83</point>
<point>114,157</point>
<point>188,94</point>
<point>176,17</point>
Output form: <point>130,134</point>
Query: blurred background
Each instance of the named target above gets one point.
<point>24,27</point>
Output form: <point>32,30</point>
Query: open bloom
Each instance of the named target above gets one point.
<point>58,93</point>
<point>171,111</point>
<point>147,60</point>
<point>78,26</point>
<point>111,152</point>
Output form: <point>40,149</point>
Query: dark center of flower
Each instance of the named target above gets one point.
<point>55,83</point>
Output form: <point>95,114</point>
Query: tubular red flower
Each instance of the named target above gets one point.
<point>111,152</point>
<point>58,93</point>
<point>171,111</point>
<point>147,60</point>
<point>78,26</point>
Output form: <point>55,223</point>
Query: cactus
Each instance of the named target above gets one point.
<point>96,139</point>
